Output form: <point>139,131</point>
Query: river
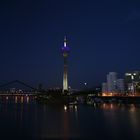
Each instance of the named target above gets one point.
<point>24,118</point>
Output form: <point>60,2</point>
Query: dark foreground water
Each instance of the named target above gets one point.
<point>23,118</point>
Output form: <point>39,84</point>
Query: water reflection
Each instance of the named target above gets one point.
<point>65,108</point>
<point>73,109</point>
<point>21,99</point>
<point>111,106</point>
<point>132,108</point>
<point>59,122</point>
<point>66,124</point>
<point>17,99</point>
<point>107,106</point>
<point>104,121</point>
<point>27,99</point>
<point>7,97</point>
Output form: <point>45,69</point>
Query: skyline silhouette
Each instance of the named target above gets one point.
<point>103,37</point>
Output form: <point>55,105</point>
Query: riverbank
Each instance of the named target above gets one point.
<point>114,99</point>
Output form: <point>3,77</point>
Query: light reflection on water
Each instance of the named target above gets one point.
<point>111,106</point>
<point>16,99</point>
<point>23,115</point>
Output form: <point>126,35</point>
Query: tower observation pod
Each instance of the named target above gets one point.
<point>65,52</point>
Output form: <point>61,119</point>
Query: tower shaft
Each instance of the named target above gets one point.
<point>65,51</point>
<point>65,75</point>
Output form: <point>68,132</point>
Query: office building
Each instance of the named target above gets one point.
<point>132,82</point>
<point>112,82</point>
<point>120,86</point>
<point>104,88</point>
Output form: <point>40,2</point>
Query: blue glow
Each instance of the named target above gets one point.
<point>65,49</point>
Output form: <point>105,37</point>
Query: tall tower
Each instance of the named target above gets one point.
<point>65,51</point>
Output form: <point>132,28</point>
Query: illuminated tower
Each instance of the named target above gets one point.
<point>65,51</point>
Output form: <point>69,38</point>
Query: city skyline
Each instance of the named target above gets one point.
<point>103,37</point>
<point>69,69</point>
<point>129,84</point>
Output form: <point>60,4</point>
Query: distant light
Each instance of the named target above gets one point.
<point>75,108</point>
<point>85,84</point>
<point>132,77</point>
<point>107,94</point>
<point>65,108</point>
<point>128,74</point>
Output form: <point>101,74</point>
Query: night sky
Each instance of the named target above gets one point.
<point>103,36</point>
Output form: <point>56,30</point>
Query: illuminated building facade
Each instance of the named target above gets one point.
<point>120,86</point>
<point>112,82</point>
<point>132,77</point>
<point>113,86</point>
<point>65,51</point>
<point>128,86</point>
<point>104,88</point>
<point>132,82</point>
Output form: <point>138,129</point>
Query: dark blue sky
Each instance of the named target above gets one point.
<point>103,35</point>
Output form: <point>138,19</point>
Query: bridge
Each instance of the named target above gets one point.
<point>7,92</point>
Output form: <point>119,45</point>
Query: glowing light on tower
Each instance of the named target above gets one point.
<point>65,51</point>
<point>65,42</point>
